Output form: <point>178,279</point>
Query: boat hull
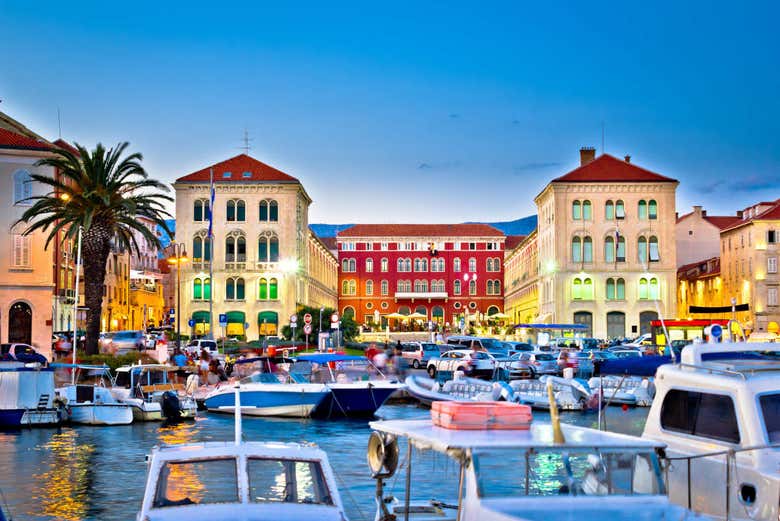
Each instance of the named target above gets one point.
<point>359,400</point>
<point>147,412</point>
<point>292,403</point>
<point>15,418</point>
<point>101,414</point>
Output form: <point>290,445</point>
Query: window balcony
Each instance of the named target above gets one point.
<point>421,294</point>
<point>267,266</point>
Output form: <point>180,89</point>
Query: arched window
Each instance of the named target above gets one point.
<point>620,254</point>
<point>345,287</point>
<point>273,211</point>
<point>421,286</point>
<point>655,255</point>
<point>456,265</point>
<point>655,293</point>
<point>576,289</point>
<point>587,214</point>
<point>587,249</point>
<point>273,249</point>
<point>236,210</point>
<point>641,250</point>
<point>609,249</point>
<point>348,312</point>
<point>273,289</point>
<point>235,248</point>
<point>200,210</point>
<point>472,287</point>
<point>652,209</point>
<point>369,265</point>
<point>621,289</point>
<point>587,289</point>
<point>609,210</point>
<point>22,187</point>
<point>489,287</point>
<point>642,210</point>
<point>197,249</point>
<point>643,290</point>
<point>576,211</point>
<point>230,289</point>
<point>369,287</point>
<point>268,248</point>
<point>400,265</point>
<point>576,249</point>
<point>472,265</point>
<point>384,289</point>
<point>437,286</point>
<point>207,288</point>
<point>610,289</point>
<point>197,289</point>
<point>620,210</point>
<point>262,289</point>
<point>345,265</point>
<point>383,265</point>
<point>240,295</point>
<point>456,287</point>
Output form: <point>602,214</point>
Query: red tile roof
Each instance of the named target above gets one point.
<point>16,141</point>
<point>512,241</point>
<point>770,214</point>
<point>67,146</point>
<point>237,166</point>
<point>421,230</point>
<point>609,169</point>
<point>329,242</point>
<point>723,221</point>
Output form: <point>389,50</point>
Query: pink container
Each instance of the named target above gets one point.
<point>481,415</point>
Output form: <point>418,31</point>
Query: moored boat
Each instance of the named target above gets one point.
<point>28,397</point>
<point>92,403</point>
<point>152,396</point>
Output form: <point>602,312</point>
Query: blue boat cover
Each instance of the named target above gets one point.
<point>648,365</point>
<point>323,358</point>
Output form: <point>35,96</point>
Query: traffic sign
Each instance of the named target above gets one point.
<point>222,319</point>
<point>293,318</point>
<point>173,311</point>
<point>307,318</point>
<point>307,329</point>
<point>191,322</point>
<point>716,330</point>
<point>334,317</point>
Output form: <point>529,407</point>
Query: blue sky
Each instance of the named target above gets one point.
<point>412,112</point>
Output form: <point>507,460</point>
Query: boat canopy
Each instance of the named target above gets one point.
<point>324,358</point>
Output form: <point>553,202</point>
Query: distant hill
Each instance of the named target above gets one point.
<point>522,226</point>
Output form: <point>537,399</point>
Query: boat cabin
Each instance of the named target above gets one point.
<point>146,379</point>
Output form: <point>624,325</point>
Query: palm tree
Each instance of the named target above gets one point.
<point>104,194</point>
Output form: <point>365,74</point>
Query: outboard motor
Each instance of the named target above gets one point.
<point>171,408</point>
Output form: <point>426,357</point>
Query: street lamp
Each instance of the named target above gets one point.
<point>179,256</point>
<point>290,267</point>
<point>468,278</point>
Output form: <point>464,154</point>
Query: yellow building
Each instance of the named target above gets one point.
<point>321,276</point>
<point>521,278</point>
<point>115,314</point>
<point>748,263</point>
<point>606,242</point>
<point>700,284</point>
<point>146,290</point>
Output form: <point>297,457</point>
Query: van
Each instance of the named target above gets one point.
<point>196,346</point>
<point>491,345</point>
<point>418,353</point>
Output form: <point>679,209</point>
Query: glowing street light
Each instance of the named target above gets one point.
<point>178,258</point>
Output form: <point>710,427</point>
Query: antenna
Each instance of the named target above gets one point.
<point>603,147</point>
<point>59,124</point>
<point>246,140</point>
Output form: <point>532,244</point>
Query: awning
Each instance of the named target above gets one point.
<point>201,317</point>
<point>268,317</point>
<point>235,317</point>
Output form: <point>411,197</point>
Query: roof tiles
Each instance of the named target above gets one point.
<point>242,168</point>
<point>421,230</point>
<point>9,139</point>
<point>609,169</point>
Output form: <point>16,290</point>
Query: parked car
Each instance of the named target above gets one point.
<point>602,356</point>
<point>517,347</point>
<point>474,363</point>
<point>24,353</point>
<point>590,343</point>
<point>627,353</point>
<point>640,341</point>
<point>540,363</point>
<point>196,346</point>
<point>491,345</point>
<point>419,353</point>
<point>584,363</point>
<point>125,341</point>
<point>104,341</point>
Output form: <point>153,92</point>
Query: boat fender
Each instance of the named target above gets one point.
<point>193,382</point>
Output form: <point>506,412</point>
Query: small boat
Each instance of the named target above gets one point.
<point>27,396</point>
<point>571,394</point>
<point>241,481</point>
<point>625,390</point>
<point>357,387</point>
<point>150,393</point>
<point>263,393</point>
<point>93,404</point>
<point>427,390</point>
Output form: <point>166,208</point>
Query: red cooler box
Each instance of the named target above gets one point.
<point>481,415</point>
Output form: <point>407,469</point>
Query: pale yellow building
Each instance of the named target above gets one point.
<point>146,289</point>
<point>748,262</point>
<point>521,278</point>
<point>606,241</point>
<point>115,315</point>
<point>698,235</point>
<point>261,262</point>
<point>322,277</point>
<point>700,284</point>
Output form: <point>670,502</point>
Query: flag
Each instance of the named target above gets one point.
<point>211,202</point>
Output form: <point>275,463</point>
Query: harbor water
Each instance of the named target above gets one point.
<point>98,473</point>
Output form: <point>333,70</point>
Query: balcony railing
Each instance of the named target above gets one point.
<point>267,266</point>
<point>69,293</point>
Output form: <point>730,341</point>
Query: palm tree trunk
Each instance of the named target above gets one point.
<point>95,249</point>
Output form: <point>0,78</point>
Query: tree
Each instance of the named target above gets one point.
<point>349,328</point>
<point>104,194</point>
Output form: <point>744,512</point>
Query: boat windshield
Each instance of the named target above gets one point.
<point>197,482</point>
<point>589,472</point>
<point>287,481</point>
<point>770,409</point>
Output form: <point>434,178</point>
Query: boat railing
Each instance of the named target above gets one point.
<point>729,455</point>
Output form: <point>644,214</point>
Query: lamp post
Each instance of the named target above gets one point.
<point>179,256</point>
<point>290,267</point>
<point>468,278</point>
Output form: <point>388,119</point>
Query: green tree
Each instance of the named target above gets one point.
<point>104,194</point>
<point>349,328</point>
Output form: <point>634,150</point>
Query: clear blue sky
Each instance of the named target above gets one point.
<point>412,112</point>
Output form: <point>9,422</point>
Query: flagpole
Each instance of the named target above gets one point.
<point>211,256</point>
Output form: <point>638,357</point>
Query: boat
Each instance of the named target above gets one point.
<point>357,387</point>
<point>93,404</point>
<point>625,390</point>
<point>427,390</point>
<point>150,393</point>
<point>571,394</point>
<point>719,418</point>
<point>539,472</point>
<point>27,396</point>
<point>240,480</point>
<point>263,393</point>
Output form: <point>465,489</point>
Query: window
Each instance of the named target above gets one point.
<point>641,250</point>
<point>653,246</point>
<point>348,265</point>
<point>269,211</point>
<point>643,289</point>
<point>771,296</point>
<point>576,289</point>
<point>201,249</point>
<point>197,289</point>
<point>384,288</point>
<point>620,255</point>
<point>472,287</point>
<point>227,175</point>
<point>771,237</point>
<point>421,265</point>
<point>642,210</point>
<point>438,286</point>
<point>620,211</point>
<point>369,287</point>
<point>404,286</point>
<point>652,209</point>
<point>348,287</point>
<point>234,288</point>
<point>437,265</point>
<point>771,264</point>
<point>586,211</point>
<point>22,187</point>
<point>369,265</point>
<point>456,265</point>
<point>383,265</point>
<point>576,249</point>
<point>236,210</point>
<point>421,286</point>
<point>654,289</point>
<point>202,482</point>
<point>200,210</point>
<point>576,211</point>
<point>587,289</point>
<point>610,289</point>
<point>22,251</point>
<point>609,249</point>
<point>609,210</point>
<point>262,289</point>
<point>472,265</point>
<point>287,481</point>
<point>268,248</point>
<point>587,249</point>
<point>456,287</point>
<point>383,246</point>
<point>700,414</point>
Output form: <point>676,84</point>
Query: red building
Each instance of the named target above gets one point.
<point>442,271</point>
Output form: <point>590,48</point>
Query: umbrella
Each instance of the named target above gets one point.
<point>417,316</point>
<point>499,316</point>
<point>396,316</point>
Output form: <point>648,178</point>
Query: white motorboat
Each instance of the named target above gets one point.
<point>719,418</point>
<point>240,481</point>
<point>570,394</point>
<point>153,397</point>
<point>93,403</point>
<point>589,475</point>
<point>27,396</point>
<point>427,390</point>
<point>625,390</point>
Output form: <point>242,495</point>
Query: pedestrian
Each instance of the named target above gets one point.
<point>401,364</point>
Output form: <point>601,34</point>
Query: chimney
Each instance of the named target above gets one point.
<point>697,211</point>
<point>704,213</point>
<point>739,214</point>
<point>627,158</point>
<point>587,154</point>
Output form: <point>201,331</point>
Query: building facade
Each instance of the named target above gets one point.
<point>115,314</point>
<point>521,279</point>
<point>748,262</point>
<point>147,303</point>
<point>700,284</point>
<point>606,242</point>
<point>260,255</point>
<point>442,272</point>
<point>698,235</point>
<point>321,275</point>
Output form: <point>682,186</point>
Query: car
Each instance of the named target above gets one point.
<point>590,343</point>
<point>478,343</point>
<point>474,363</point>
<point>125,341</point>
<point>196,346</point>
<point>584,361</point>
<point>602,356</point>
<point>104,341</point>
<point>539,362</point>
<point>513,347</point>
<point>640,341</point>
<point>419,353</point>
<point>17,352</point>
<point>627,353</point>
